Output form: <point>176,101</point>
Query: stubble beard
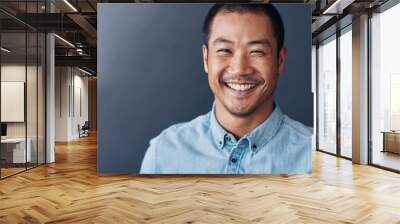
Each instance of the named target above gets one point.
<point>242,113</point>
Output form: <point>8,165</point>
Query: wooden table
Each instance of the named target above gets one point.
<point>391,141</point>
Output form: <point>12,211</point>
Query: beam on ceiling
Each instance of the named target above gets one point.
<point>83,61</point>
<point>86,26</point>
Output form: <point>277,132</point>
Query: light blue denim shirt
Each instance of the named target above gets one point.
<point>279,145</point>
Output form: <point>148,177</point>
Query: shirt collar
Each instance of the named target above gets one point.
<point>257,137</point>
<point>263,133</point>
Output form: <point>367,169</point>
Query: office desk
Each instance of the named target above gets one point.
<point>391,141</point>
<point>13,150</point>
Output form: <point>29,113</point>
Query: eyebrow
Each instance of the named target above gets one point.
<point>222,40</point>
<point>253,42</point>
<point>262,42</point>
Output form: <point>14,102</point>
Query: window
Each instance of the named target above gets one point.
<point>346,92</point>
<point>327,95</point>
<point>385,88</point>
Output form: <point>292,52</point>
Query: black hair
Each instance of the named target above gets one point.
<point>267,9</point>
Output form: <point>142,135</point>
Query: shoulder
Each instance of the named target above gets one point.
<point>296,127</point>
<point>297,144</point>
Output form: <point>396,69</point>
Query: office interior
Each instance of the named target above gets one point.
<point>334,62</point>
<point>45,86</point>
<point>49,74</point>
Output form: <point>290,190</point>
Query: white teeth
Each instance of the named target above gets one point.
<point>240,87</point>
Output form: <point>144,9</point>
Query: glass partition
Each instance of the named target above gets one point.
<point>327,95</point>
<point>41,107</point>
<point>32,95</point>
<point>22,101</point>
<point>14,153</point>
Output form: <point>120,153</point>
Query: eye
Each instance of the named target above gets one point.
<point>224,51</point>
<point>257,53</point>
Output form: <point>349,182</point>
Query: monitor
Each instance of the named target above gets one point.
<point>3,129</point>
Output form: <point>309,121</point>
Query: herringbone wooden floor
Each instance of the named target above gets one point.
<point>70,191</point>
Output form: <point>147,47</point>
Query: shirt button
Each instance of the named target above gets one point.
<point>233,160</point>
<point>254,146</point>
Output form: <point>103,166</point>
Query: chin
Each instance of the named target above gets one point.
<point>240,110</point>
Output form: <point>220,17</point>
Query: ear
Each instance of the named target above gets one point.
<point>205,57</point>
<point>281,59</point>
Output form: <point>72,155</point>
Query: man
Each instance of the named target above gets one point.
<point>245,132</point>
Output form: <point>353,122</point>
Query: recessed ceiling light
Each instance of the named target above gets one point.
<point>70,5</point>
<point>5,50</point>
<point>84,71</point>
<point>337,6</point>
<point>64,40</point>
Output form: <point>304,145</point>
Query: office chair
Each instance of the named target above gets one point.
<point>84,130</point>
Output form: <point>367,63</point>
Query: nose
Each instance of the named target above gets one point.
<point>239,65</point>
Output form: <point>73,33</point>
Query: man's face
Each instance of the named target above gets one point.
<point>242,61</point>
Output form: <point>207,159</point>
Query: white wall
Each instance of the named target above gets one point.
<point>62,81</point>
<point>16,72</point>
<point>70,84</point>
<point>80,108</point>
<point>10,73</point>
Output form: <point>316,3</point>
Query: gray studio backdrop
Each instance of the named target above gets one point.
<point>150,75</point>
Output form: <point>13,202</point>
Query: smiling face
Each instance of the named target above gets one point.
<point>242,61</point>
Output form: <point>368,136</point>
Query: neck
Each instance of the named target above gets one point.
<point>241,125</point>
